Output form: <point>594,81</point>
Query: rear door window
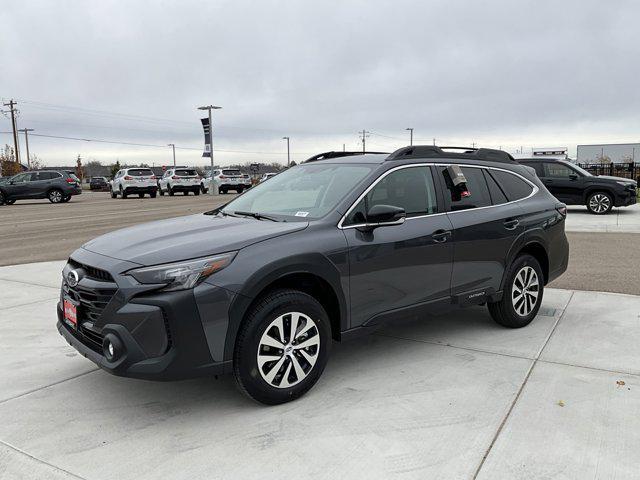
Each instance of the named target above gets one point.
<point>497,194</point>
<point>557,170</point>
<point>476,187</point>
<point>231,173</point>
<point>513,186</point>
<point>140,172</point>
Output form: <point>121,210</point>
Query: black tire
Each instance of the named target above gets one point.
<point>248,344</point>
<point>55,195</point>
<point>123,194</point>
<point>504,312</point>
<point>3,199</point>
<point>202,189</point>
<point>66,199</point>
<point>113,194</point>
<point>161,192</point>
<point>185,192</point>
<point>9,202</point>
<point>196,192</point>
<point>599,203</point>
<point>141,195</point>
<point>170,190</point>
<point>239,191</point>
<point>222,191</point>
<point>153,194</point>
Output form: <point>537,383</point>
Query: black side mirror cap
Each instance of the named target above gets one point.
<point>380,215</point>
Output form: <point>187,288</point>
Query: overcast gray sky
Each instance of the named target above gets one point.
<point>497,73</point>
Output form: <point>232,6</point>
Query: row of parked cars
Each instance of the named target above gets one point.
<point>142,181</point>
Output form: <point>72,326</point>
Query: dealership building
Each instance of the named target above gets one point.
<point>615,152</point>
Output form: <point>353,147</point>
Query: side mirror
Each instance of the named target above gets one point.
<point>573,176</point>
<point>381,215</point>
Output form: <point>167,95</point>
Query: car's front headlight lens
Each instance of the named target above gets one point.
<point>182,275</point>
<point>623,183</point>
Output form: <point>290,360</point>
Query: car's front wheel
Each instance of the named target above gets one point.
<point>282,347</point>
<point>522,294</point>
<point>599,203</point>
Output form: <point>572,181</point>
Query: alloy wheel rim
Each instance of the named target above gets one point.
<point>525,291</point>
<point>599,203</point>
<point>288,350</point>
<point>55,196</point>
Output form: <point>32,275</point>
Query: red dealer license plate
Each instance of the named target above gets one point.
<point>70,312</point>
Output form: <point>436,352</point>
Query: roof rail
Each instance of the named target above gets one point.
<point>333,154</point>
<point>432,151</point>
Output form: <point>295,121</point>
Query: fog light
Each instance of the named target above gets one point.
<point>112,347</point>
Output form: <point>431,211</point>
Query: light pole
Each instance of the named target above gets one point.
<point>213,186</point>
<point>410,135</point>
<point>172,145</point>
<point>288,155</point>
<point>26,141</point>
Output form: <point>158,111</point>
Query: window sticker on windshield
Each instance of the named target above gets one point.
<point>301,214</point>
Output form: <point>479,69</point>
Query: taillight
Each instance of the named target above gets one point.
<point>127,177</point>
<point>70,180</point>
<point>222,177</point>
<point>562,210</point>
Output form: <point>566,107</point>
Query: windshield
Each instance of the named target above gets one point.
<point>306,191</point>
<point>230,172</point>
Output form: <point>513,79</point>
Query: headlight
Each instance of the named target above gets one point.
<point>624,184</point>
<point>182,275</point>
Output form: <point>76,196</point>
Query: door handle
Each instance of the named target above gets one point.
<point>511,223</point>
<point>441,236</point>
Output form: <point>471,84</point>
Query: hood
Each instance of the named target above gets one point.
<point>615,179</point>
<point>187,237</point>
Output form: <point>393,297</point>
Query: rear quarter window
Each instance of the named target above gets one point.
<point>476,186</point>
<point>514,187</point>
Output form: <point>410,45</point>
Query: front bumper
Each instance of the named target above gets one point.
<point>160,335</point>
<point>626,199</point>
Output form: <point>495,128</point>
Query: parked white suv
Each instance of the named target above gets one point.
<point>130,181</point>
<point>227,179</point>
<point>183,180</point>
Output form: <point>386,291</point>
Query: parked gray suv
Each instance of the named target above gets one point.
<point>322,252</point>
<point>57,186</point>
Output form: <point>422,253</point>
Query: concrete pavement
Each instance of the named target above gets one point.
<point>619,220</point>
<point>454,396</point>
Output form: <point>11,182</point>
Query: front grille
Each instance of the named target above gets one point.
<point>92,272</point>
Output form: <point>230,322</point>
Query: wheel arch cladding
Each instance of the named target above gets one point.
<point>537,251</point>
<point>312,276</point>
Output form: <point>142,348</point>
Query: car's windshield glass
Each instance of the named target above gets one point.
<point>306,191</point>
<point>230,172</point>
<point>186,173</point>
<point>139,172</point>
<point>581,170</point>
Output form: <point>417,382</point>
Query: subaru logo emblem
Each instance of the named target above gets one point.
<point>73,278</point>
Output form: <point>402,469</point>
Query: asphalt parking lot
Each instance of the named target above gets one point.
<point>36,230</point>
<point>453,397</point>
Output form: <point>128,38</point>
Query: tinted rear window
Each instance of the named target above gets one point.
<point>140,172</point>
<point>514,187</point>
<point>48,175</point>
<point>497,195</point>
<point>231,172</point>
<point>476,186</point>
<point>186,173</point>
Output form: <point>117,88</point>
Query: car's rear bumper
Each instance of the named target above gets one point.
<point>185,188</point>
<point>141,189</point>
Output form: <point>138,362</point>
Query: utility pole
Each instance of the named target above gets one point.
<point>410,135</point>
<point>26,141</point>
<point>434,142</point>
<point>344,147</point>
<point>288,155</point>
<point>14,126</point>
<point>172,145</point>
<point>364,134</point>
<point>473,144</point>
<point>213,186</point>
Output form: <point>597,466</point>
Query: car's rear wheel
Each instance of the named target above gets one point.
<point>113,194</point>
<point>170,190</point>
<point>202,189</point>
<point>196,192</point>
<point>160,191</point>
<point>3,199</point>
<point>185,193</point>
<point>66,198</point>
<point>152,194</point>
<point>141,195</point>
<point>522,294</point>
<point>282,347</point>
<point>55,195</point>
<point>123,193</point>
<point>8,202</point>
<point>599,203</point>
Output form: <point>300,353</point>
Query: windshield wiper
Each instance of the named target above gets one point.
<point>257,216</point>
